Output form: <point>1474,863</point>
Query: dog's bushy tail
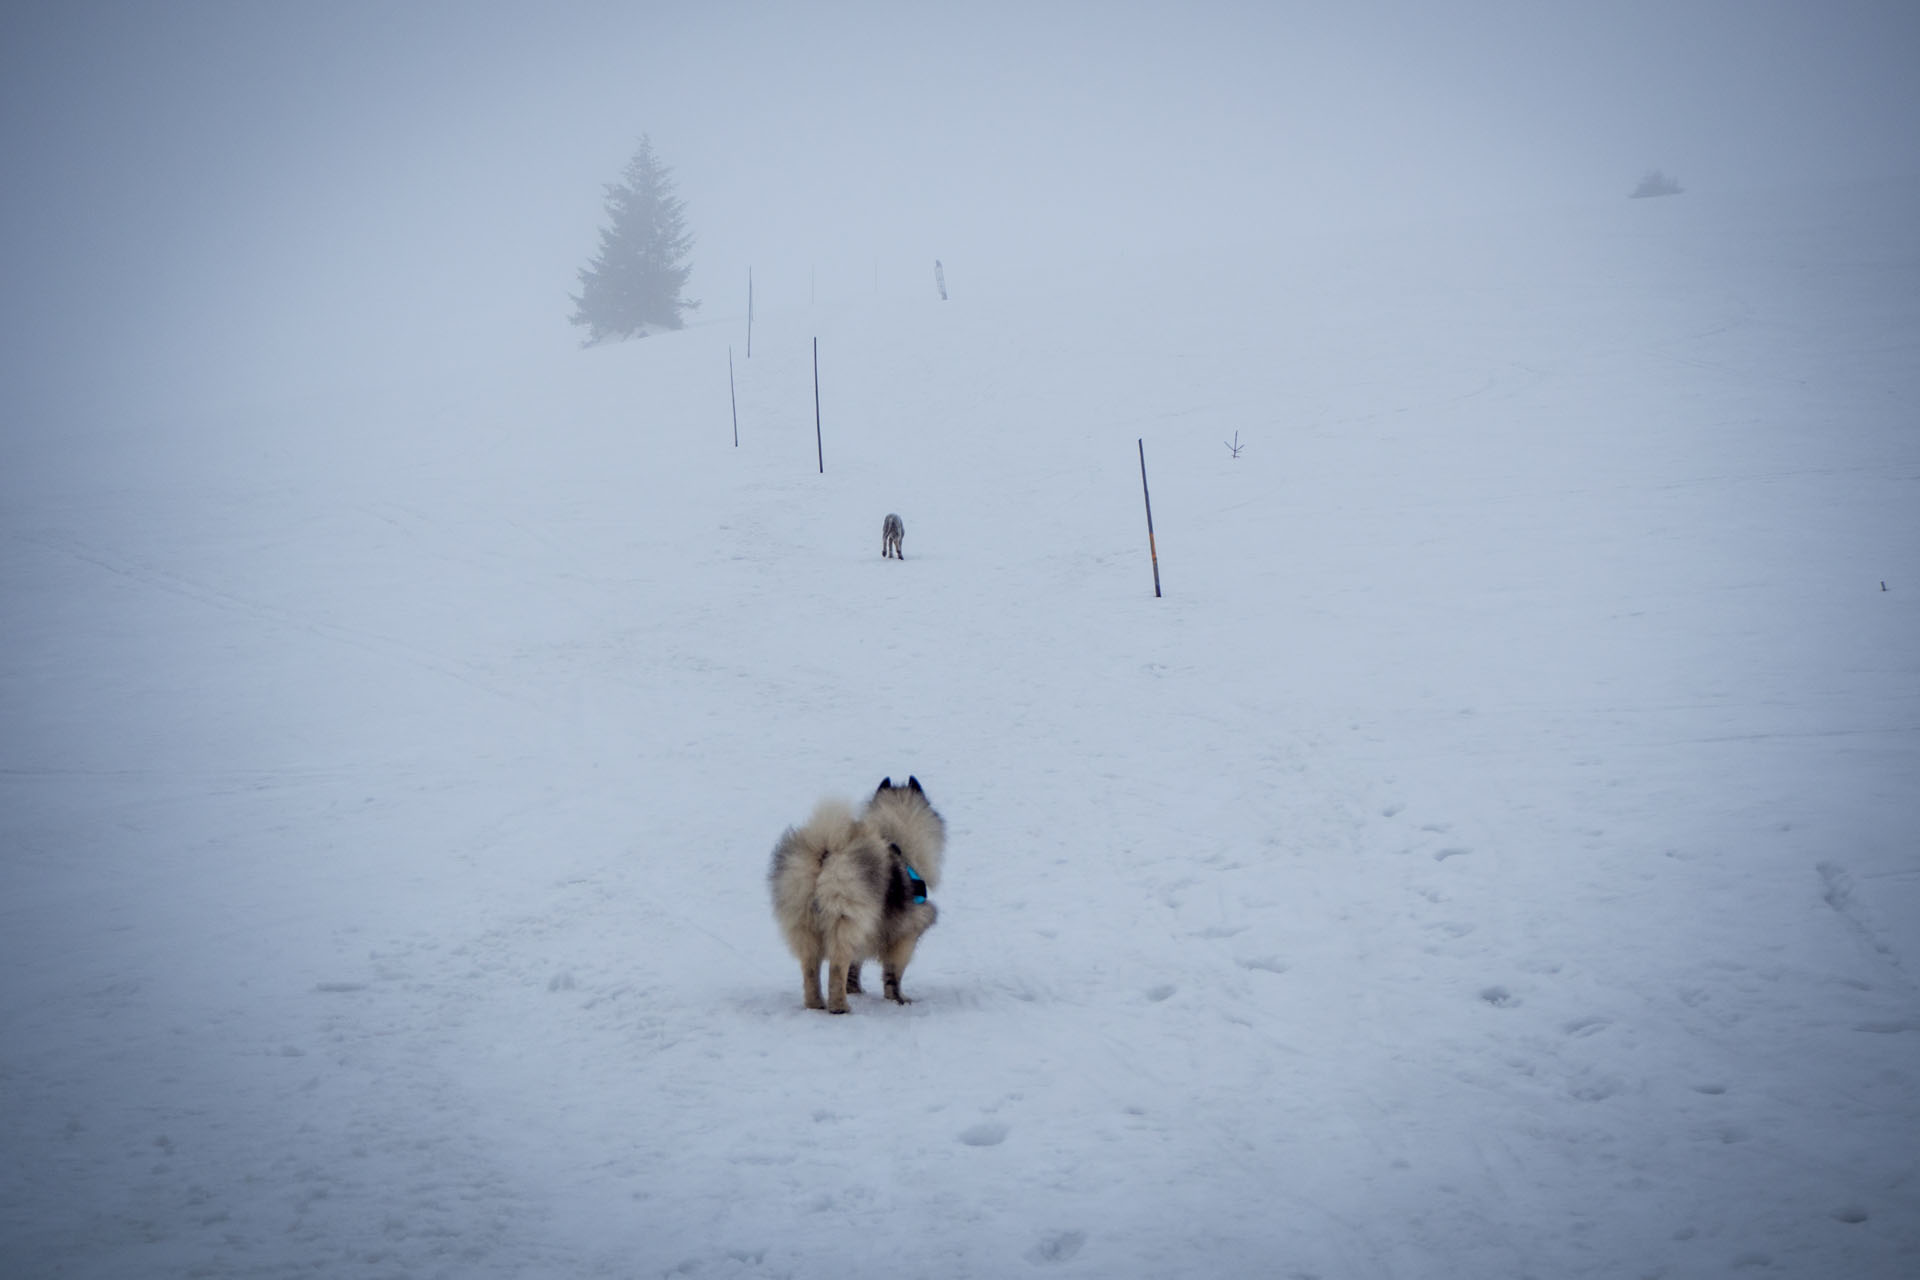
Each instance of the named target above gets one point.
<point>822,877</point>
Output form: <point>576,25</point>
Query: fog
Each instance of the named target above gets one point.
<point>237,200</point>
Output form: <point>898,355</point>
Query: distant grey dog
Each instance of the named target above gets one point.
<point>891,531</point>
<point>846,888</point>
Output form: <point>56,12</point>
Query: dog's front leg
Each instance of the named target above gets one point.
<point>892,965</point>
<point>853,979</point>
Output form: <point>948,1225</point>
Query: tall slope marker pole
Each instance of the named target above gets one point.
<point>733,399</point>
<point>816,411</point>
<point>1151,550</point>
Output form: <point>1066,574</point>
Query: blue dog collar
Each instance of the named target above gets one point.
<point>914,882</point>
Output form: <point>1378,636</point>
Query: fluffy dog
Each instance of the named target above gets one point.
<point>846,888</point>
<point>891,531</point>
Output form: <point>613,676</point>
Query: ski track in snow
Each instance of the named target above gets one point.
<point>1493,857</point>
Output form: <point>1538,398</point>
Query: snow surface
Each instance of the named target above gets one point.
<point>1495,855</point>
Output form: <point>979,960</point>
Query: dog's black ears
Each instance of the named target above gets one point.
<point>913,784</point>
<point>886,784</point>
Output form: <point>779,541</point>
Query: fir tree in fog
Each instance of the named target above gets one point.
<point>1656,183</point>
<point>633,285</point>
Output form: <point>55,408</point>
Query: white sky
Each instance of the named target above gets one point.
<point>265,193</point>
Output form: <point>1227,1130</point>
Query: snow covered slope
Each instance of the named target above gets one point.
<point>1494,856</point>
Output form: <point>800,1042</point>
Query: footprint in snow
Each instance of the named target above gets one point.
<point>1595,1088</point>
<point>1058,1247</point>
<point>1157,994</point>
<point>1451,852</point>
<point>1499,997</point>
<point>988,1134</point>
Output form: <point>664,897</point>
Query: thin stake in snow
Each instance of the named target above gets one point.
<point>733,399</point>
<point>1151,549</point>
<point>818,450</point>
<point>1236,446</point>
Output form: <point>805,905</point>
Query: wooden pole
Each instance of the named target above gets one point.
<point>733,399</point>
<point>1151,549</point>
<point>818,450</point>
